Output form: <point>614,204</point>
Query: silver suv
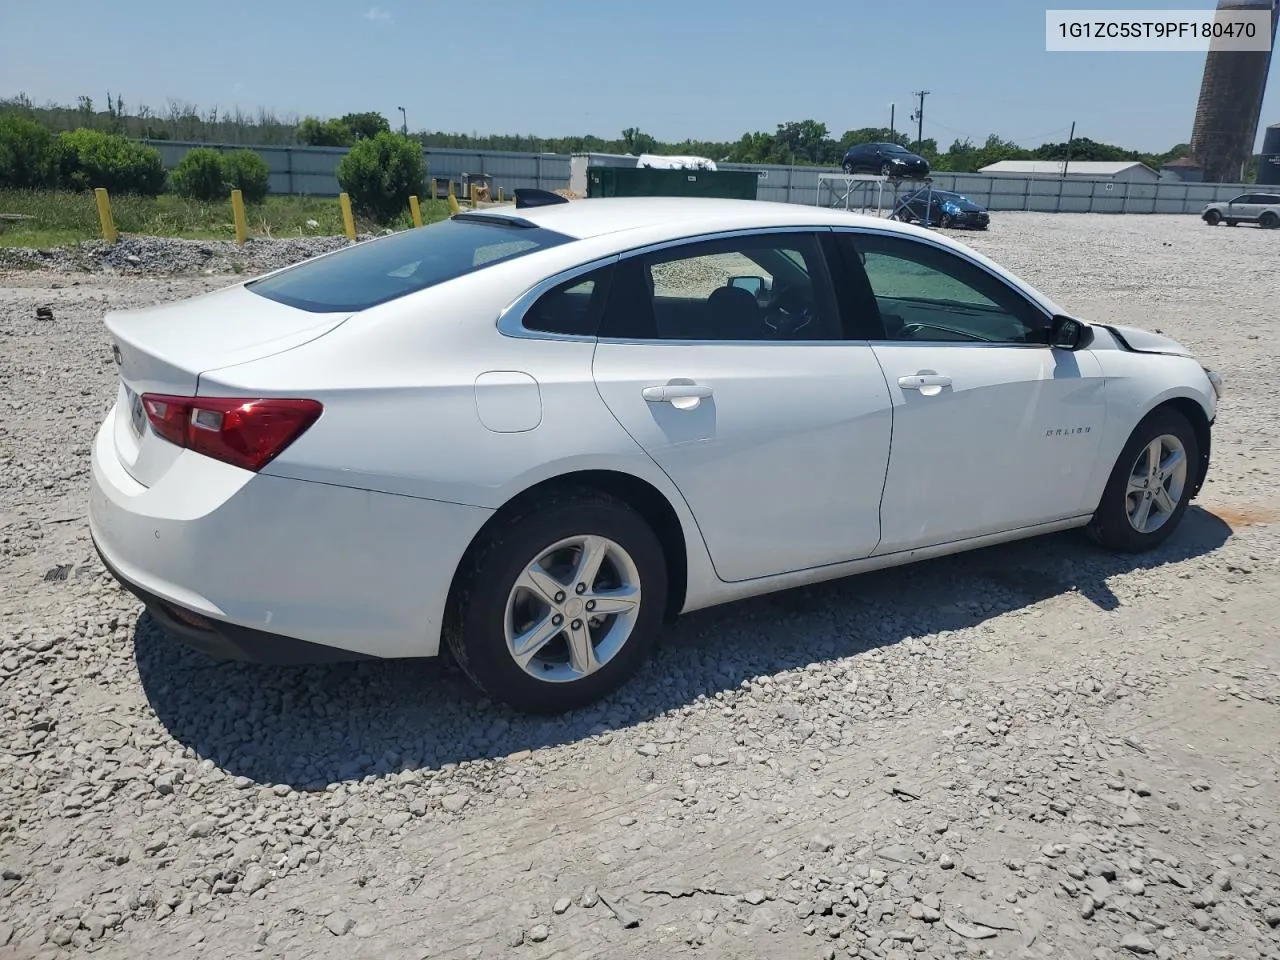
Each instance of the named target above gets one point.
<point>1260,208</point>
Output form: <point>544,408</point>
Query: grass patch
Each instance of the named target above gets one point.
<point>64,218</point>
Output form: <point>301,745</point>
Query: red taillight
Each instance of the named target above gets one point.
<point>246,433</point>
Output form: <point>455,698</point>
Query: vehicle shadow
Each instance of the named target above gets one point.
<point>310,726</point>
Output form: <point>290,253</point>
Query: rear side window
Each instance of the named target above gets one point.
<point>371,273</point>
<point>574,307</point>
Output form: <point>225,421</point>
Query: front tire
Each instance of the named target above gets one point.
<point>1150,485</point>
<point>561,605</point>
<point>1213,218</point>
<point>848,168</point>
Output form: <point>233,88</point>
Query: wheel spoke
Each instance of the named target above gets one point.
<point>1137,484</point>
<point>1164,501</point>
<point>538,581</point>
<point>593,554</point>
<point>1170,463</point>
<point>622,600</point>
<point>526,645</point>
<point>582,653</point>
<point>1141,514</point>
<point>1154,449</point>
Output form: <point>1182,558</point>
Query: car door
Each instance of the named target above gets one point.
<point>993,430</point>
<point>1242,208</point>
<point>726,361</point>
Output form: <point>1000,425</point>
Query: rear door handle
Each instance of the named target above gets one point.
<point>929,384</point>
<point>921,381</point>
<point>676,391</point>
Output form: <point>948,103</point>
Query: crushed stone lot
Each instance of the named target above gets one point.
<point>1035,750</point>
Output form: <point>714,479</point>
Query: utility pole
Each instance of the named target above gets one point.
<point>404,121</point>
<point>1070,137</point>
<point>893,134</point>
<point>919,117</point>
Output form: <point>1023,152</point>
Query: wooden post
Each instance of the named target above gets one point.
<point>348,221</point>
<point>415,211</point>
<point>104,215</point>
<point>237,210</point>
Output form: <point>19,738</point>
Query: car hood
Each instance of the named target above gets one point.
<point>968,206</point>
<point>1144,341</point>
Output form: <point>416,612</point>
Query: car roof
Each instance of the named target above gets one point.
<point>681,216</point>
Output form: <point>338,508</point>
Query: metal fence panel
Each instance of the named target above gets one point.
<point>313,171</point>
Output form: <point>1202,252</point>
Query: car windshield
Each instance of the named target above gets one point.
<point>377,271</point>
<point>893,148</point>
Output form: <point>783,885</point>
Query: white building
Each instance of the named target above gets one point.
<point>1126,170</point>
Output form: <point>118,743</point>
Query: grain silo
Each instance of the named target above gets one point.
<point>1231,102</point>
<point>1269,164</point>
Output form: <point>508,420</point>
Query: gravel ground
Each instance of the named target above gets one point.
<point>1037,750</point>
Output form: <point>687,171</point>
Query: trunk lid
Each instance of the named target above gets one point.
<point>165,348</point>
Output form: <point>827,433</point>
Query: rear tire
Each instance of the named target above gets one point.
<point>1269,221</point>
<point>1143,504</point>
<point>580,657</point>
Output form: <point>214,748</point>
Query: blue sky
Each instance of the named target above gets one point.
<point>674,68</point>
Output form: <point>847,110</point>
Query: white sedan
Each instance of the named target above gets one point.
<point>534,434</point>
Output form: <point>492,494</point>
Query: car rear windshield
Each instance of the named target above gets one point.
<point>377,271</point>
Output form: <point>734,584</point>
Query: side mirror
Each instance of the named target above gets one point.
<point>753,285</point>
<point>1068,333</point>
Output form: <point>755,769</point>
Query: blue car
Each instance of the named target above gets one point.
<point>941,208</point>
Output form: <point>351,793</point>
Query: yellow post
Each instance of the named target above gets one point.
<point>104,215</point>
<point>434,194</point>
<point>501,198</point>
<point>415,211</point>
<point>237,210</point>
<point>348,221</point>
<point>453,201</point>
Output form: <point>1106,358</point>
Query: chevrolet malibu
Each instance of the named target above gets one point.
<point>532,435</point>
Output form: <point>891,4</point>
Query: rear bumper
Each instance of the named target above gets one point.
<point>273,568</point>
<point>229,641</point>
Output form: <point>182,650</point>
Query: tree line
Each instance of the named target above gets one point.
<point>803,142</point>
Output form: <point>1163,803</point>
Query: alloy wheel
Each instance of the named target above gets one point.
<point>1156,484</point>
<point>572,609</point>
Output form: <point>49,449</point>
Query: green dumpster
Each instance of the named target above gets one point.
<point>653,182</point>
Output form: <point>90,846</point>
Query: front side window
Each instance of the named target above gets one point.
<point>926,293</point>
<point>760,287</point>
<point>377,271</point>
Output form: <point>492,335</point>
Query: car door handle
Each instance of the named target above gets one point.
<point>676,391</point>
<point>920,381</point>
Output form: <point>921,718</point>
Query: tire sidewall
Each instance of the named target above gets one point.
<point>1111,521</point>
<point>482,637</point>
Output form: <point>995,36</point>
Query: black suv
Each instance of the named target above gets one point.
<point>885,159</point>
